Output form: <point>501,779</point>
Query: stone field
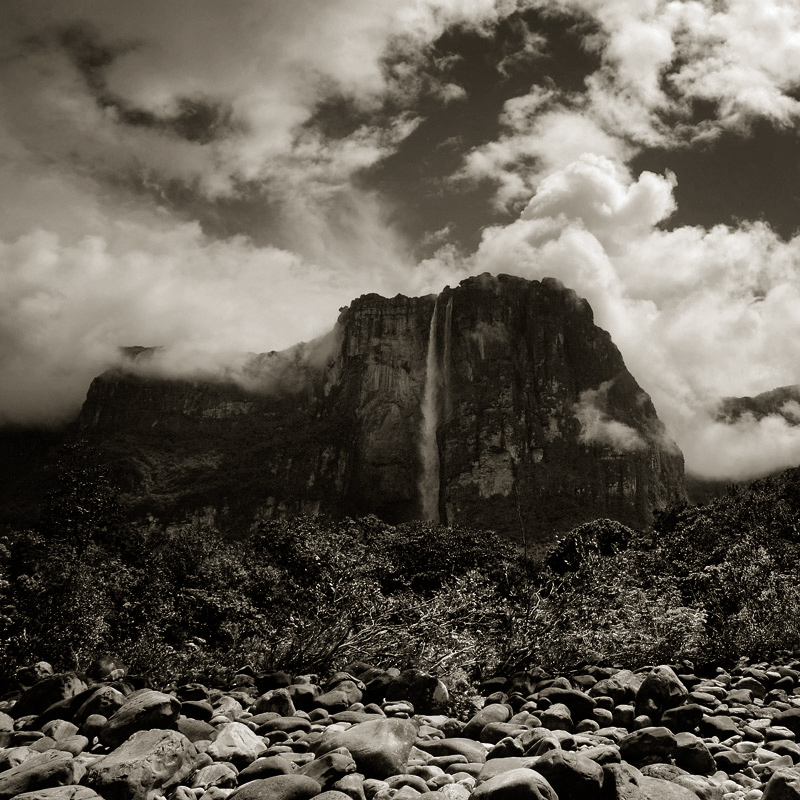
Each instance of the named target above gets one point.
<point>661,733</point>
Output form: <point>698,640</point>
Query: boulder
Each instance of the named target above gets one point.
<point>351,785</point>
<point>660,690</point>
<point>622,782</point>
<point>579,704</point>
<point>59,729</point>
<point>105,700</point>
<point>47,692</point>
<point>150,761</point>
<point>339,698</point>
<point>648,745</point>
<point>192,691</point>
<point>719,725</point>
<point>197,709</point>
<point>515,784</point>
<point>788,719</point>
<point>684,718</point>
<point>221,775</point>
<point>27,676</point>
<point>195,730</point>
<point>280,787</point>
<point>426,692</point>
<point>496,766</point>
<point>620,687</point>
<point>329,768</point>
<point>495,712</point>
<point>143,710</point>
<point>40,771</point>
<point>106,668</point>
<point>572,776</point>
<point>277,700</point>
<point>236,743</point>
<point>380,747</point>
<point>693,755</point>
<point>473,751</point>
<point>69,792</point>
<point>783,785</point>
<point>659,789</point>
<point>557,718</point>
<point>266,767</point>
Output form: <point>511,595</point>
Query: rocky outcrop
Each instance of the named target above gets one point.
<point>497,404</point>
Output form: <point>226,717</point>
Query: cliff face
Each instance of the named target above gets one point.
<point>497,404</point>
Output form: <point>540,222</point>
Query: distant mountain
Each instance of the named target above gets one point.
<point>784,401</point>
<point>496,404</point>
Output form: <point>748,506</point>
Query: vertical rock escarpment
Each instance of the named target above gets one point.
<point>497,404</point>
<point>545,427</point>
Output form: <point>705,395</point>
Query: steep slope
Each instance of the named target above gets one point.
<point>497,404</point>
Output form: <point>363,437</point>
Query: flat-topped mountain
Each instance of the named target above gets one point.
<point>496,404</point>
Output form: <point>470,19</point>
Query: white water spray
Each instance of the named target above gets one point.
<point>447,359</point>
<point>428,447</point>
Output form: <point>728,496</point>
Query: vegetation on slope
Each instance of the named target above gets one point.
<point>707,583</point>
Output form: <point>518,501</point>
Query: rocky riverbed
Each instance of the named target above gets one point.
<point>661,733</point>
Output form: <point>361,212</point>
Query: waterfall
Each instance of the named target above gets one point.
<point>448,325</point>
<point>428,447</point>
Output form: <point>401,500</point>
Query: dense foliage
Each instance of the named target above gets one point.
<point>708,583</point>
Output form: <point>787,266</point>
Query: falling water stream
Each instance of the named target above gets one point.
<point>428,447</point>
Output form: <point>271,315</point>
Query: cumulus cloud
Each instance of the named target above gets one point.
<point>741,56</point>
<point>659,63</point>
<point>111,106</point>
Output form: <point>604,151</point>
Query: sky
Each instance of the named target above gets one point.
<point>219,177</point>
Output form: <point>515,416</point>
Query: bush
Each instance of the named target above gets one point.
<point>707,583</point>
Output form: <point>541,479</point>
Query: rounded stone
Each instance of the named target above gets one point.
<point>279,787</point>
<point>515,784</point>
<point>144,710</point>
<point>380,747</point>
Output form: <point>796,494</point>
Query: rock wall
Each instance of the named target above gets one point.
<point>521,408</point>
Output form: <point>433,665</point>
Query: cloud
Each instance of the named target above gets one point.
<point>597,427</point>
<point>662,57</point>
<point>753,447</point>
<point>116,113</point>
<point>670,75</point>
<point>540,137</point>
<point>120,87</point>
